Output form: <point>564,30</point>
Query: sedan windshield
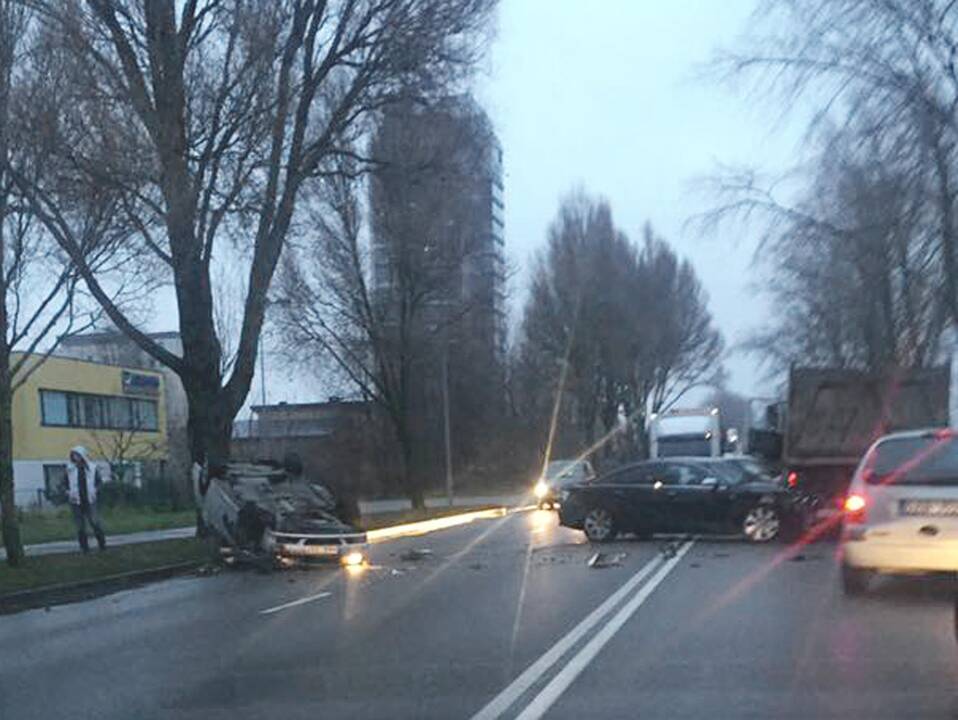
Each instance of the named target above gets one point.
<point>926,460</point>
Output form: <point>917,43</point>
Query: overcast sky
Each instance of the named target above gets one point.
<point>608,96</point>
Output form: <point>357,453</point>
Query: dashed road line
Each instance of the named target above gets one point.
<point>294,603</point>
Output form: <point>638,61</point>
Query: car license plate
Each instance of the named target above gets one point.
<point>314,550</point>
<point>929,508</point>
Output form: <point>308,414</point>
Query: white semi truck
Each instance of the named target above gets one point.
<point>694,432</point>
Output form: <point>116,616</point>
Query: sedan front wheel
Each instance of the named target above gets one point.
<point>599,525</point>
<point>761,524</point>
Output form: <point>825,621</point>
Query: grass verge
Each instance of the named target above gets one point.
<point>401,517</point>
<point>46,570</point>
<point>40,527</point>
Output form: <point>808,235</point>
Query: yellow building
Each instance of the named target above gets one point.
<point>116,412</point>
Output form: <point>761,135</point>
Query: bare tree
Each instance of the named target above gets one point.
<point>123,447</point>
<point>886,69</point>
<point>572,314</point>
<point>631,324</point>
<point>679,347</point>
<point>39,300</point>
<point>382,339</point>
<point>388,327</point>
<point>851,267</point>
<point>210,116</point>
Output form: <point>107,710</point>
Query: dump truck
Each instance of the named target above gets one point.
<point>833,415</point>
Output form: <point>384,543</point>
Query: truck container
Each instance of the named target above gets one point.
<point>833,415</point>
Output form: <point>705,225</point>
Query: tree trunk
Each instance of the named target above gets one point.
<point>8,509</point>
<point>411,480</point>
<point>209,425</point>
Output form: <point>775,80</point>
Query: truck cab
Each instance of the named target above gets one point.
<point>685,433</point>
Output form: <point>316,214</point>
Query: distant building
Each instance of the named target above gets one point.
<point>440,187</point>
<point>118,412</point>
<point>116,348</point>
<point>342,443</point>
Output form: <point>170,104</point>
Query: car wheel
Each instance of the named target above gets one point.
<point>599,525</point>
<point>762,524</point>
<point>854,580</point>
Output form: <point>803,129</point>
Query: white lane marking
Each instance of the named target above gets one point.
<point>294,603</point>
<point>501,702</point>
<point>546,698</point>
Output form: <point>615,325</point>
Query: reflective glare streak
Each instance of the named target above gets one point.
<point>427,526</point>
<point>540,520</point>
<point>557,402</point>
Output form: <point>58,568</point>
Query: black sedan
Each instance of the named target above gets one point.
<point>699,495</point>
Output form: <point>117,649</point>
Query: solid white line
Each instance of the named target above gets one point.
<point>546,698</point>
<point>501,702</point>
<point>294,603</point>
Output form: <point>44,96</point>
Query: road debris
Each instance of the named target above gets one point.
<point>603,560</point>
<point>670,548</point>
<point>416,554</point>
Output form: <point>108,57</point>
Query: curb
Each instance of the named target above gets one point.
<point>71,592</point>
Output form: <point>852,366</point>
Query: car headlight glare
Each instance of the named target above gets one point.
<point>353,558</point>
<point>541,489</point>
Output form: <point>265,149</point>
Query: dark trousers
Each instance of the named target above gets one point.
<point>83,514</point>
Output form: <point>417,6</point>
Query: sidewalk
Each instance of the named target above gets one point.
<point>370,507</point>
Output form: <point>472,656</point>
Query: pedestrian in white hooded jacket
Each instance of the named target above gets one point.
<point>83,481</point>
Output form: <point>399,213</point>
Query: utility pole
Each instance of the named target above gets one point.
<point>445,419</point>
<point>262,369</point>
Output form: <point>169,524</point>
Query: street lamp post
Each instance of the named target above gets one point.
<point>445,420</point>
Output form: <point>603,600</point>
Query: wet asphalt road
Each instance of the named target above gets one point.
<point>503,619</point>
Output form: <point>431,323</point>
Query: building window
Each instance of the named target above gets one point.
<point>53,408</point>
<point>55,483</point>
<point>107,412</point>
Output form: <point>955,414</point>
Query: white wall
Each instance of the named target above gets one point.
<point>28,479</point>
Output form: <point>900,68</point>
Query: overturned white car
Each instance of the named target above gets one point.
<point>258,510</point>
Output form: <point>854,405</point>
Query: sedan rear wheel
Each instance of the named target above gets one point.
<point>762,524</point>
<point>599,525</point>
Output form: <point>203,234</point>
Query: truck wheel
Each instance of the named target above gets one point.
<point>599,525</point>
<point>761,524</point>
<point>854,580</point>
